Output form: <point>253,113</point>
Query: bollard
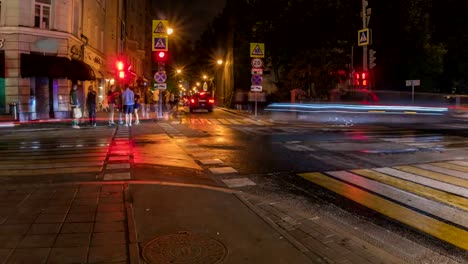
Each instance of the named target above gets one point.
<point>14,111</point>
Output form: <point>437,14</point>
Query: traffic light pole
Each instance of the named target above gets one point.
<point>364,25</point>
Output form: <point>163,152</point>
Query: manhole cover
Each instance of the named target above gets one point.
<point>184,248</point>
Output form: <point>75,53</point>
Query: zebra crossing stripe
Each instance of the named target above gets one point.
<point>418,189</point>
<point>235,122</point>
<point>450,166</point>
<point>436,184</point>
<point>50,171</point>
<point>437,173</point>
<point>448,213</point>
<point>224,121</point>
<point>426,224</point>
<point>214,121</point>
<point>459,162</point>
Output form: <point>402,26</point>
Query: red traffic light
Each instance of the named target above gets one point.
<point>361,79</point>
<point>119,65</point>
<point>160,56</point>
<point>121,74</point>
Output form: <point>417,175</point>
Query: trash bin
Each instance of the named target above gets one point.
<point>14,111</point>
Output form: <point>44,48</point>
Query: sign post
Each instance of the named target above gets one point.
<point>257,52</point>
<point>413,83</point>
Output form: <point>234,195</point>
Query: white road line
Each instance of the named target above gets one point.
<point>425,181</point>
<point>449,213</point>
<point>450,172</point>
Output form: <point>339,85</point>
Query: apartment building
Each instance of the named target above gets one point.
<point>46,46</point>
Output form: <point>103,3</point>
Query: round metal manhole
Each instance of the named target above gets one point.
<point>184,248</point>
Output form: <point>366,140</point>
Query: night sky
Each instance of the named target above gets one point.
<point>189,18</point>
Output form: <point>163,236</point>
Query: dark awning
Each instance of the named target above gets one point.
<point>81,71</point>
<point>37,65</point>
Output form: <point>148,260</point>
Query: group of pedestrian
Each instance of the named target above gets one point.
<point>126,103</point>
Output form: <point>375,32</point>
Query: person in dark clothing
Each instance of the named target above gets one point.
<point>91,105</point>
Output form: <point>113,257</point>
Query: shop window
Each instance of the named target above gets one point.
<point>42,14</point>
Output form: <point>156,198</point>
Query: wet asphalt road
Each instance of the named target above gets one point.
<point>269,155</point>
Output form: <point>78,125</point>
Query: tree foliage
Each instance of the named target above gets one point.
<point>308,41</point>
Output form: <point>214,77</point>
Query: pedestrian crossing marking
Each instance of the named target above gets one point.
<point>434,175</point>
<point>451,166</point>
<point>441,196</point>
<point>436,184</point>
<point>50,171</point>
<point>426,224</point>
<point>452,214</point>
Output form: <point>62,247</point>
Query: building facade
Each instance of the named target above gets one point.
<point>46,46</point>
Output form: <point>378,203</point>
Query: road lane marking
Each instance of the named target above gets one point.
<point>426,224</point>
<point>435,184</point>
<point>239,182</point>
<point>450,166</point>
<point>437,173</point>
<point>440,210</point>
<point>440,196</point>
<point>222,170</point>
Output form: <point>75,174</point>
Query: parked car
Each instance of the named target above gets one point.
<point>202,100</point>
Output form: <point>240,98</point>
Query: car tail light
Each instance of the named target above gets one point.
<point>211,101</point>
<point>192,101</point>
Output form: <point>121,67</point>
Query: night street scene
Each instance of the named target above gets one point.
<point>233,131</point>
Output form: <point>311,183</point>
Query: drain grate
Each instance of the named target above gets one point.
<point>184,248</point>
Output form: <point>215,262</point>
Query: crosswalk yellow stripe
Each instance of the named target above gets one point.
<point>415,188</point>
<point>434,175</point>
<point>450,166</point>
<point>426,224</point>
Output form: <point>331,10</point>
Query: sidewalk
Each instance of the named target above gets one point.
<point>189,220</point>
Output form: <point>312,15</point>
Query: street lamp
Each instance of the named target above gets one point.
<point>219,61</point>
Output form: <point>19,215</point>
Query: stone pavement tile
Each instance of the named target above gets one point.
<point>10,241</point>
<point>111,207</point>
<point>87,195</point>
<point>87,201</point>
<point>89,188</point>
<point>42,229</point>
<point>14,229</point>
<point>21,219</point>
<point>73,240</point>
<point>59,209</point>
<point>111,200</point>
<point>80,218</point>
<point>112,188</point>
<point>37,241</point>
<point>75,209</point>
<point>77,228</point>
<point>108,238</point>
<point>56,202</point>
<point>3,218</point>
<point>298,234</point>
<point>109,227</point>
<point>110,216</point>
<point>50,218</point>
<point>29,255</point>
<point>4,254</point>
<point>15,198</point>
<point>107,254</point>
<point>68,255</point>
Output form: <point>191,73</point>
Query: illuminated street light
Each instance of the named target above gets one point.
<point>204,77</point>
<point>219,61</point>
<point>178,71</point>
<point>170,31</point>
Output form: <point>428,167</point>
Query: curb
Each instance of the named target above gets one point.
<point>133,247</point>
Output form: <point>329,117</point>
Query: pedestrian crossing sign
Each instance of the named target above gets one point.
<point>257,50</point>
<point>363,37</point>
<point>160,26</point>
<point>159,43</point>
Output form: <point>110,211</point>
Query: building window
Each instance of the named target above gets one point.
<point>42,14</point>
